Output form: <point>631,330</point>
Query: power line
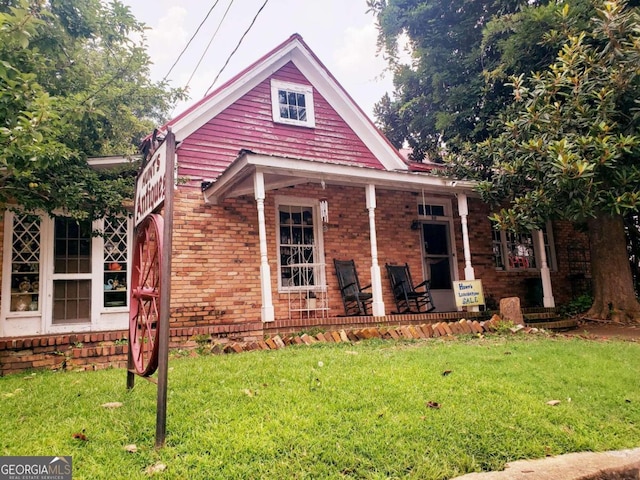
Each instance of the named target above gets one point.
<point>209,44</point>
<point>237,46</point>
<point>190,40</point>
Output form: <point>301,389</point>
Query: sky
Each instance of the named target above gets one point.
<point>339,32</point>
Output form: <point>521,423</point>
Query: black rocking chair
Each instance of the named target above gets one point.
<point>408,298</point>
<point>355,300</point>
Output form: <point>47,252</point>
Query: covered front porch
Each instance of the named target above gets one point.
<point>404,216</point>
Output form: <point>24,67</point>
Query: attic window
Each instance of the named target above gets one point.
<point>292,103</point>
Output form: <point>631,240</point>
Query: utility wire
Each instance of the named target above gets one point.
<point>209,44</point>
<point>237,46</point>
<point>190,40</point>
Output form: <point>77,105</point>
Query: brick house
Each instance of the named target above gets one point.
<point>280,173</point>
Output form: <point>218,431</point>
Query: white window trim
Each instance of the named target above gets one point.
<point>306,90</point>
<point>447,219</point>
<point>39,322</point>
<point>317,232</point>
<point>537,248</point>
<point>15,323</point>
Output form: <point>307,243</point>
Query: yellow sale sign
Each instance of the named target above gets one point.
<point>468,293</point>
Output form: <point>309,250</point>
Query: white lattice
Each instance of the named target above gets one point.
<point>115,239</point>
<point>26,239</point>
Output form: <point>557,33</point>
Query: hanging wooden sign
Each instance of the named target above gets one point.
<point>150,184</point>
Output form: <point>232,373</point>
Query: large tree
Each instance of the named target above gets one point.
<point>569,147</point>
<point>462,54</point>
<point>74,83</point>
<point>442,96</point>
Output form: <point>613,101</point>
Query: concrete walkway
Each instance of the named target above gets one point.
<point>619,465</point>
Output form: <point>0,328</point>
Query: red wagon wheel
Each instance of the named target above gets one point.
<point>144,313</point>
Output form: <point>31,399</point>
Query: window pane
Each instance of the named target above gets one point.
<point>437,210</point>
<point>294,105</point>
<point>115,261</point>
<point>71,301</point>
<point>25,263</point>
<point>72,229</point>
<point>496,243</point>
<point>85,247</point>
<point>547,247</point>
<point>440,274</point>
<point>520,248</point>
<point>72,246</point>
<point>428,210</point>
<point>297,247</point>
<point>436,240</point>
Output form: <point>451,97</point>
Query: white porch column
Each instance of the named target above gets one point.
<point>545,275</point>
<point>267,312</point>
<point>463,211</point>
<point>376,278</point>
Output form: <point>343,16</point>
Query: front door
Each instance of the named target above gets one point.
<point>436,251</point>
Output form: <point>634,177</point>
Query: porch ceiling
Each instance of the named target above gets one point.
<point>280,172</point>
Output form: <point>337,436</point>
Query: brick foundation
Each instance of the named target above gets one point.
<point>95,351</point>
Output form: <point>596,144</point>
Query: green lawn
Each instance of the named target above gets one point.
<point>338,410</point>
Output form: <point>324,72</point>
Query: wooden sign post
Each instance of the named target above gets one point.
<point>165,293</point>
<point>150,300</point>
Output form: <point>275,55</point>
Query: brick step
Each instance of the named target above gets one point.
<point>539,316</point>
<point>553,323</point>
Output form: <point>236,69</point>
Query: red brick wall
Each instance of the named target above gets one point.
<point>565,236</point>
<point>216,261</point>
<point>59,352</point>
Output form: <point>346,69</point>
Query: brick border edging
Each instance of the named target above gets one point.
<point>99,350</point>
<point>409,332</point>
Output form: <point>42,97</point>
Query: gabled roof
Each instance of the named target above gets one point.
<point>294,50</point>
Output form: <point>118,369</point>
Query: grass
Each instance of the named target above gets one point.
<point>338,410</point>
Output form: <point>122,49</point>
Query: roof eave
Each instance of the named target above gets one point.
<point>237,179</point>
